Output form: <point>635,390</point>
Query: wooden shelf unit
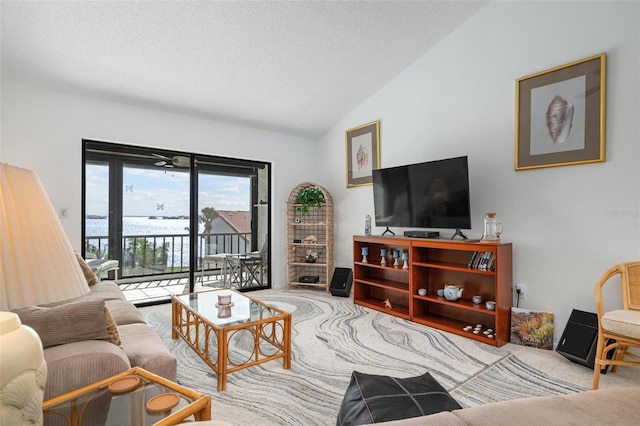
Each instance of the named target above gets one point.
<point>432,264</point>
<point>319,223</point>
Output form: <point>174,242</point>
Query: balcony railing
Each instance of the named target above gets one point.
<point>147,255</point>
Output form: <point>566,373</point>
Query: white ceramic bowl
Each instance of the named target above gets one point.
<point>490,305</point>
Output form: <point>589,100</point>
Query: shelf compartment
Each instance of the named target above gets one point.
<point>459,304</point>
<point>383,267</point>
<point>377,304</point>
<point>375,244</point>
<point>453,317</point>
<point>452,267</point>
<point>451,259</point>
<point>391,285</point>
<point>456,327</point>
<point>375,274</point>
<point>461,309</point>
<point>473,284</point>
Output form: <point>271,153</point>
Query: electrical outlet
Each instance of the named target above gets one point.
<point>523,290</point>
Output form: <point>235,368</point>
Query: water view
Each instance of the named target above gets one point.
<point>158,244</point>
<point>176,231</point>
<point>139,225</point>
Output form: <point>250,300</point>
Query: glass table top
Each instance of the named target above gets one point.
<point>211,306</point>
<point>126,399</point>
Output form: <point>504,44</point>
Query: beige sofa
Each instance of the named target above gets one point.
<point>608,406</point>
<point>82,346</point>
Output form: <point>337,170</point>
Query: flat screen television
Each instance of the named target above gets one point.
<point>433,194</point>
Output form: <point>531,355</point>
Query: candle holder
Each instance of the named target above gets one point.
<point>396,256</point>
<point>383,256</point>
<point>365,252</point>
<point>405,258</point>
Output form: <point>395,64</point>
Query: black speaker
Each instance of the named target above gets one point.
<point>580,338</point>
<point>341,282</point>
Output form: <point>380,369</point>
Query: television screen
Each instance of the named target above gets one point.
<point>433,194</point>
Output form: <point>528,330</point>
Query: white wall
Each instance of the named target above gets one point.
<point>42,130</point>
<point>567,224</point>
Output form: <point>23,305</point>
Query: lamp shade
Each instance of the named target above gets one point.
<point>37,262</point>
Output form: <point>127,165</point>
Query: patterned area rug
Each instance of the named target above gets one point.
<point>332,337</point>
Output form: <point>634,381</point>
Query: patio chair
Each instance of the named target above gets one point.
<point>618,330</point>
<point>248,269</point>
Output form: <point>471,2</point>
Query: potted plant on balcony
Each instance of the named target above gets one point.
<point>308,197</point>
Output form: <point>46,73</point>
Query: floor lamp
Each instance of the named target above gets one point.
<point>37,266</point>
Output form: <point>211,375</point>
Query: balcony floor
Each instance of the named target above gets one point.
<point>157,290</point>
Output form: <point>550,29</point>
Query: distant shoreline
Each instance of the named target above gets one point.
<point>97,216</point>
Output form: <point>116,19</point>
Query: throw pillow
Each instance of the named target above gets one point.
<point>372,399</point>
<point>68,323</point>
<point>89,275</point>
<point>112,327</point>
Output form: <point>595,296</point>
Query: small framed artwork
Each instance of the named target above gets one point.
<point>560,115</point>
<point>363,153</point>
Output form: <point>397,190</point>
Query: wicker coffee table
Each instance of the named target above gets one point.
<point>239,333</point>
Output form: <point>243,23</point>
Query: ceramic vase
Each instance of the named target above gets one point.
<point>396,257</point>
<point>365,252</point>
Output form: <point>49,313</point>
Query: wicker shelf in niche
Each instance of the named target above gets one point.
<point>309,232</point>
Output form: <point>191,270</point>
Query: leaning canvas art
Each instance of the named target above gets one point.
<point>532,328</point>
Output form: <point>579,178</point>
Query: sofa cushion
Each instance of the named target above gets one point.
<point>372,398</point>
<point>68,323</point>
<point>145,349</point>
<point>125,312</point>
<point>105,290</point>
<point>79,364</point>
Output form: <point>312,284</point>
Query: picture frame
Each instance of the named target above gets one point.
<point>362,153</point>
<point>560,115</point>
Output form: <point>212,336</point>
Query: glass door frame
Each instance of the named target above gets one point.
<point>116,156</point>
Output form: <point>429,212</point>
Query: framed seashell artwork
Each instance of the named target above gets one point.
<point>363,153</point>
<point>560,115</point>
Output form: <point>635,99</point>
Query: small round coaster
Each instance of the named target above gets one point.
<point>162,403</point>
<point>124,384</point>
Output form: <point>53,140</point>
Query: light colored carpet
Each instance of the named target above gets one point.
<point>331,337</point>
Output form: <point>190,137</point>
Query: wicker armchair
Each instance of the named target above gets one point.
<point>618,330</point>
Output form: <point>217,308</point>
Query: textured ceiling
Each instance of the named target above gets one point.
<point>293,67</point>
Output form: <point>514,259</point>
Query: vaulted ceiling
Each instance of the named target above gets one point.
<point>295,67</point>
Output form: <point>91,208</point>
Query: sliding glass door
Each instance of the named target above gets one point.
<point>169,215</point>
<point>155,220</point>
<point>234,223</point>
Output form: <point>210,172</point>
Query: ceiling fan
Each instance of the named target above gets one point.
<point>170,162</point>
